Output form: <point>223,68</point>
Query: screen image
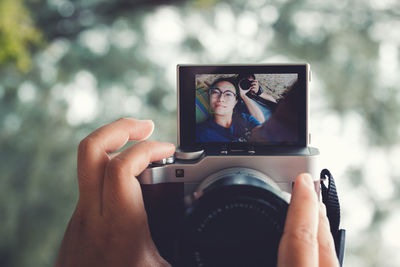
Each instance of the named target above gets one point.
<point>251,107</point>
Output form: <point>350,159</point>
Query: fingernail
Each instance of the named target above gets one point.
<point>152,128</point>
<point>148,121</point>
<point>308,180</point>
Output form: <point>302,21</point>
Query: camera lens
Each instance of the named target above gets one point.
<point>245,84</point>
<point>237,221</point>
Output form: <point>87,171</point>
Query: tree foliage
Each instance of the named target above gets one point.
<point>17,34</point>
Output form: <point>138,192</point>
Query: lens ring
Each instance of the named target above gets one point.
<point>245,84</point>
<point>231,224</point>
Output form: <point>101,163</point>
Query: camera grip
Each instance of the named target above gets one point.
<point>165,208</point>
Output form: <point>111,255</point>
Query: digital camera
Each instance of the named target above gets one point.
<point>222,199</point>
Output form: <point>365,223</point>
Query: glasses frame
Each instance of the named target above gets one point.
<point>222,93</point>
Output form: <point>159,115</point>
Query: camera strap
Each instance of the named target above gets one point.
<point>331,200</point>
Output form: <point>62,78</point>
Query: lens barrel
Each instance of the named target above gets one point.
<point>245,84</point>
<point>237,221</point>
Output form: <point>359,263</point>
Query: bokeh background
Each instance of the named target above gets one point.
<point>67,67</point>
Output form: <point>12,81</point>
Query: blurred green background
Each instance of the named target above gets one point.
<point>67,67</point>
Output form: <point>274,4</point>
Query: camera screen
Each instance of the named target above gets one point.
<point>238,108</point>
<point>265,107</point>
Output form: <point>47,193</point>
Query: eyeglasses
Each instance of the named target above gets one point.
<point>216,93</point>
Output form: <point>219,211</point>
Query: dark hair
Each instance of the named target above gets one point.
<point>231,80</point>
<point>242,76</point>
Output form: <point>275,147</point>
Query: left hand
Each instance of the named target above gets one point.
<point>109,226</point>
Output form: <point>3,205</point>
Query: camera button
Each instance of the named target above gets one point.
<point>251,150</point>
<point>165,161</point>
<point>170,160</point>
<point>160,162</point>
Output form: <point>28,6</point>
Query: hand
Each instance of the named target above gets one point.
<point>243,93</point>
<point>109,226</point>
<point>306,240</point>
<point>254,86</point>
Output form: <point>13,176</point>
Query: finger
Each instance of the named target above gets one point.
<point>121,189</point>
<point>254,86</point>
<point>113,155</point>
<point>254,83</point>
<point>93,156</point>
<point>299,245</point>
<point>326,246</point>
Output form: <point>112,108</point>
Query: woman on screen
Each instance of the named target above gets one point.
<point>225,124</point>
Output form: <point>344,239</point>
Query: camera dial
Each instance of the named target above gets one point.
<point>188,154</point>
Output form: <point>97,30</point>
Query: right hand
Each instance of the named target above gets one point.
<point>254,86</point>
<point>307,240</point>
<point>109,226</point>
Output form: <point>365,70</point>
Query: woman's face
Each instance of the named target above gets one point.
<point>223,98</point>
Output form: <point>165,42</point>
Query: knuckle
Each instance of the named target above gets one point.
<point>303,235</point>
<point>324,222</point>
<point>326,245</point>
<point>87,145</point>
<point>86,149</point>
<point>116,167</point>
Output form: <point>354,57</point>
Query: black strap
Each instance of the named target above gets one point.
<point>260,91</point>
<point>331,201</point>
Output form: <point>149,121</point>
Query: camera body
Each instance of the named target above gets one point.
<point>228,178</point>
<point>245,84</point>
<point>195,169</point>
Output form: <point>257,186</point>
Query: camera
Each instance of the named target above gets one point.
<point>222,199</point>
<point>245,84</point>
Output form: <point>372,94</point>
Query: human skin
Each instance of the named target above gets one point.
<point>306,240</point>
<point>253,108</point>
<point>255,86</point>
<point>109,226</point>
<point>223,109</point>
<point>221,106</point>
